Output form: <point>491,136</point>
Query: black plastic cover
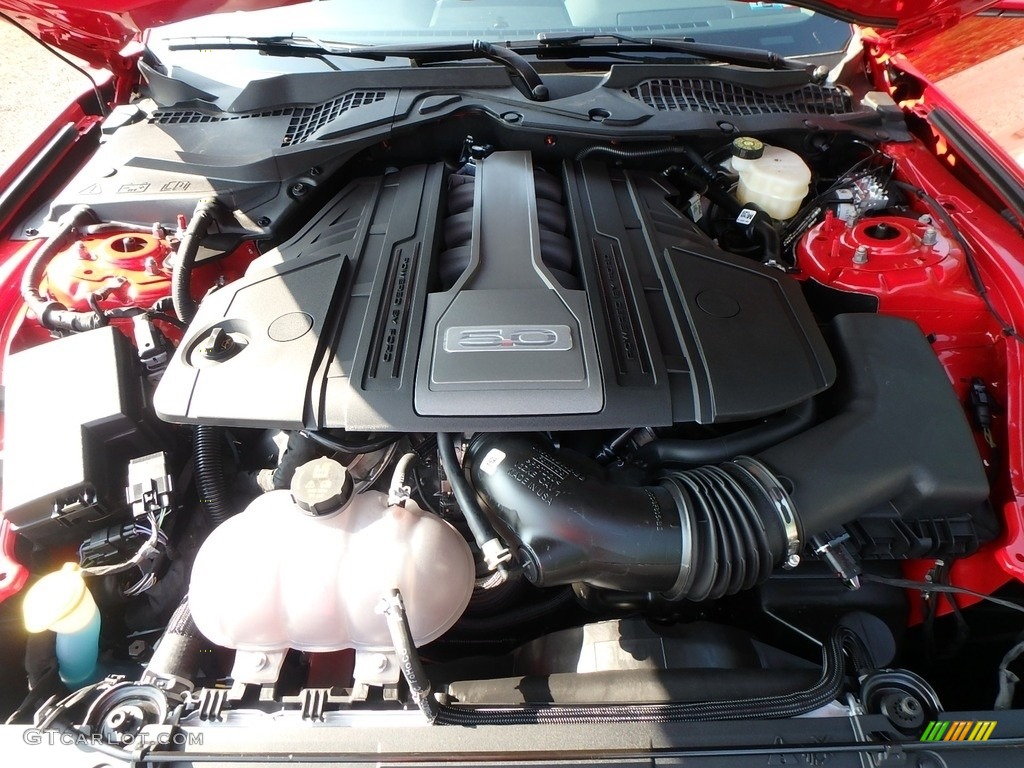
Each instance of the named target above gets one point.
<point>73,420</point>
<point>346,325</point>
<point>897,463</point>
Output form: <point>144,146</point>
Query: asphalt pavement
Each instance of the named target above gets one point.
<point>35,86</point>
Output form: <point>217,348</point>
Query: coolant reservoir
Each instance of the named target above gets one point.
<point>772,178</point>
<point>278,576</point>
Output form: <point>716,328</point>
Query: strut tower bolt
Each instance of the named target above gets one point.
<point>860,256</point>
<point>930,236</point>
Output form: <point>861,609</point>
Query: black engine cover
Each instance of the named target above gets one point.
<point>350,325</point>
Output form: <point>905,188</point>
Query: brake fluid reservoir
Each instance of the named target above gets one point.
<point>772,178</point>
<point>308,569</point>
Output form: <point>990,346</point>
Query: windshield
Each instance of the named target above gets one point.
<point>788,30</point>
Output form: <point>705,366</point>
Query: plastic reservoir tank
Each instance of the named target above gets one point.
<point>61,602</point>
<point>309,574</point>
<point>774,179</point>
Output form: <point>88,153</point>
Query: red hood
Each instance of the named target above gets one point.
<point>96,30</point>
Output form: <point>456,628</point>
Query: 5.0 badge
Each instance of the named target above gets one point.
<point>503,338</point>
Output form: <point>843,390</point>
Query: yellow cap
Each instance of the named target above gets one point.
<point>59,601</point>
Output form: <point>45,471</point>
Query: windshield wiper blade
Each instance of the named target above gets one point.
<point>727,54</point>
<point>421,54</point>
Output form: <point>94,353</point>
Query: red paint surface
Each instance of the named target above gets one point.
<point>938,295</point>
<point>999,248</point>
<point>13,574</point>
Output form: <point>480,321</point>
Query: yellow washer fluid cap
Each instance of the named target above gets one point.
<point>59,602</point>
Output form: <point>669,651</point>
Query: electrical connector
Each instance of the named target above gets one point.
<point>150,486</point>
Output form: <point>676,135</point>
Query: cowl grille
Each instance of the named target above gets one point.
<point>305,121</point>
<point>724,98</point>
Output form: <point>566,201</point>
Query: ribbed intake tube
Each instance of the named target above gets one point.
<point>698,534</point>
<point>895,444</point>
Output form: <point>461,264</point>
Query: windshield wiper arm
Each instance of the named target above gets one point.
<point>304,46</point>
<point>727,54</point>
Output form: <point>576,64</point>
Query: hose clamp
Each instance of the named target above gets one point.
<point>782,503</point>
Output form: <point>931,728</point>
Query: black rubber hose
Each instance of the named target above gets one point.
<point>773,707</point>
<point>825,690</point>
<point>515,617</point>
<point>631,154</point>
<point>176,658</point>
<point>755,439</point>
<point>181,275</point>
<point>53,314</point>
<point>760,227</point>
<point>534,85</point>
<point>209,469</point>
<point>483,532</point>
<point>368,445</point>
<point>408,659</point>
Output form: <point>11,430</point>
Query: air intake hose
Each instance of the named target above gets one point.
<point>698,534</point>
<point>896,446</point>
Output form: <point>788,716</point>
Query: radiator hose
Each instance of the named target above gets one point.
<point>176,658</point>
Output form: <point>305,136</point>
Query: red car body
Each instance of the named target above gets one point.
<point>970,340</point>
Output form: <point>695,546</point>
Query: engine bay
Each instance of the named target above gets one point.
<point>500,418</point>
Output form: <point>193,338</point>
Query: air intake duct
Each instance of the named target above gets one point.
<point>893,462</point>
<point>698,534</point>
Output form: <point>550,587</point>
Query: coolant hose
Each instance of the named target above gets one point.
<point>408,659</point>
<point>491,546</point>
<point>181,274</point>
<point>209,468</point>
<point>52,314</point>
<point>754,439</point>
<point>176,658</point>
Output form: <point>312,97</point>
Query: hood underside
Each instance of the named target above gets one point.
<point>98,30</point>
